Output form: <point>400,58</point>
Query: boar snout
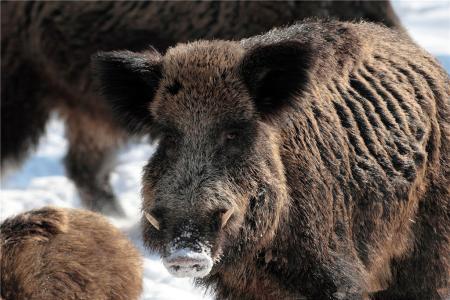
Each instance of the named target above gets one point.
<point>186,250</point>
<point>186,262</point>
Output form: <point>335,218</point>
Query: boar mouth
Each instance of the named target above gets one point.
<point>185,257</point>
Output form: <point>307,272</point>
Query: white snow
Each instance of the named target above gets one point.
<point>42,180</point>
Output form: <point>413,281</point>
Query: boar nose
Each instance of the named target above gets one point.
<point>186,262</point>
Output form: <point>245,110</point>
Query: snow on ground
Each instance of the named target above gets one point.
<point>41,180</point>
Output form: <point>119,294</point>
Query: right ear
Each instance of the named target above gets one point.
<point>276,72</point>
<point>129,81</point>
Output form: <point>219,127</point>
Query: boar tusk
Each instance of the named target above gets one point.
<point>226,216</point>
<point>152,220</point>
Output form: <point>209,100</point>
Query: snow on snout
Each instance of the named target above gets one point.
<point>186,262</point>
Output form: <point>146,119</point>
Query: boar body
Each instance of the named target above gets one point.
<point>312,161</point>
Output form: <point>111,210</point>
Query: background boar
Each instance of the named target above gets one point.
<point>54,253</point>
<point>312,161</point>
<point>45,66</point>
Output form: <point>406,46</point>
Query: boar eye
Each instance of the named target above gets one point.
<point>230,135</point>
<point>230,142</point>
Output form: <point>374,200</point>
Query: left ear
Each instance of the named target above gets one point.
<point>273,73</point>
<point>129,81</point>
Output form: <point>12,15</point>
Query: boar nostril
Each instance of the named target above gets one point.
<point>152,220</point>
<point>186,262</point>
<point>226,216</point>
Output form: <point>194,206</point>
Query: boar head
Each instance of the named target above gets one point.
<point>215,189</point>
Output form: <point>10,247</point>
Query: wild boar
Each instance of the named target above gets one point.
<point>46,49</point>
<point>55,253</point>
<point>311,161</point>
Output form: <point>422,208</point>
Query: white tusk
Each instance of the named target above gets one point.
<point>226,216</point>
<point>152,220</point>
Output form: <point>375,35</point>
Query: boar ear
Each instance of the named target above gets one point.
<point>129,82</point>
<point>273,73</point>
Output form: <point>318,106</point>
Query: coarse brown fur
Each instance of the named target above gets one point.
<point>55,253</point>
<point>331,141</point>
<point>45,65</point>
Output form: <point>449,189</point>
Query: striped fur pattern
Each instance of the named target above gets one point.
<point>46,49</point>
<point>376,120</point>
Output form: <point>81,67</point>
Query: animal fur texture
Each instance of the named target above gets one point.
<point>46,49</point>
<point>329,140</point>
<point>55,253</point>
